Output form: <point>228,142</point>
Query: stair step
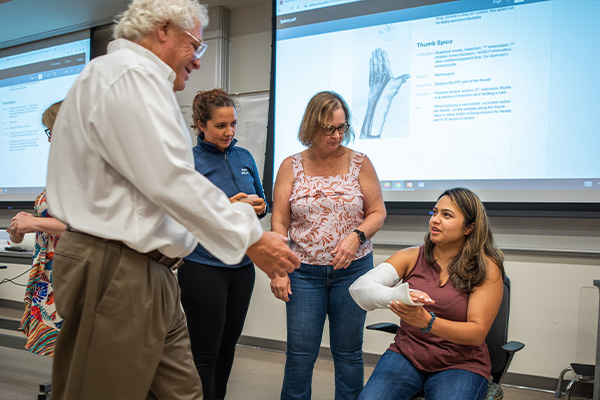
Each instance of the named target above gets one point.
<point>10,318</point>
<point>12,339</point>
<point>12,312</point>
<point>11,324</point>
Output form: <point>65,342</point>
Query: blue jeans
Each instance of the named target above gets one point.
<point>319,291</point>
<point>394,377</point>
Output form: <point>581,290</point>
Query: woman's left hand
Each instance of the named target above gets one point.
<point>345,251</point>
<point>412,315</point>
<point>420,297</point>
<point>21,224</point>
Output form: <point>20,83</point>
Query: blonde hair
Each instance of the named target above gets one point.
<point>143,15</point>
<point>468,269</point>
<point>49,116</point>
<point>319,113</point>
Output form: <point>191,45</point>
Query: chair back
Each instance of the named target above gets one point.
<point>498,335</point>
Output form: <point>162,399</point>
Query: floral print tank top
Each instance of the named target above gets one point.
<point>325,209</point>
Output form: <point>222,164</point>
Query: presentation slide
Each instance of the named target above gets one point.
<point>30,81</point>
<point>496,95</point>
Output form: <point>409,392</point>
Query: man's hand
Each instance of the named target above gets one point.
<point>272,255</point>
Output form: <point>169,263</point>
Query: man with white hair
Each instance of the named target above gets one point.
<point>122,177</point>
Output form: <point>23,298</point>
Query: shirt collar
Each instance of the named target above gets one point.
<point>124,44</point>
<point>212,148</point>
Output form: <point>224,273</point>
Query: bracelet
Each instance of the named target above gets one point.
<point>430,324</point>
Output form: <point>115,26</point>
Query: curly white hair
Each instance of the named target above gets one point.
<point>143,15</point>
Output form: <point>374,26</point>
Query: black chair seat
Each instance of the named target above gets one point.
<point>585,370</point>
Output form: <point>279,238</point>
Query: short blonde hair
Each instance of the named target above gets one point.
<point>49,116</point>
<point>319,113</point>
<point>142,16</point>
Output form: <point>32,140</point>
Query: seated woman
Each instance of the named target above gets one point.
<point>440,347</point>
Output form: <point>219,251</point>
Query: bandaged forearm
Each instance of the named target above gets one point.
<point>376,289</point>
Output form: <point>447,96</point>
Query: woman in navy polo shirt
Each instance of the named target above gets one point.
<point>214,295</point>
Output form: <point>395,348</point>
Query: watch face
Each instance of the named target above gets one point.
<point>361,236</point>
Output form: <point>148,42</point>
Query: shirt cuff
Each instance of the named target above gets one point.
<point>256,230</point>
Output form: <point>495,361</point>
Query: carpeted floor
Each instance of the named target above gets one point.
<point>256,375</point>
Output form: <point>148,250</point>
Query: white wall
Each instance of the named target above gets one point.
<point>548,260</point>
<point>250,48</point>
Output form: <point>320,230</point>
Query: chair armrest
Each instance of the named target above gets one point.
<point>388,327</point>
<point>513,346</point>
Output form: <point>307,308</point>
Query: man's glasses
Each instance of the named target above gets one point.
<point>48,133</point>
<point>200,48</point>
<point>330,130</point>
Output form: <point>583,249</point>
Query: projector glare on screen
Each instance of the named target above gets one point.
<point>32,77</point>
<point>497,96</point>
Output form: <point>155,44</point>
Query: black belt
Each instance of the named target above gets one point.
<point>171,263</point>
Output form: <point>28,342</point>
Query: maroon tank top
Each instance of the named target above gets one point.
<point>426,351</point>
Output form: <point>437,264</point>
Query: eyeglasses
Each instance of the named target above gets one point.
<point>200,48</point>
<point>48,133</point>
<point>330,130</point>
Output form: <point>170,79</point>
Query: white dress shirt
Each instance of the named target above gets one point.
<point>121,165</point>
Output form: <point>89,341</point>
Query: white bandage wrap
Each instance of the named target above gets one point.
<point>376,289</point>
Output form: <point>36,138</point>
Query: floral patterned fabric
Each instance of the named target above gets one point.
<point>325,209</point>
<point>495,392</point>
<point>40,321</point>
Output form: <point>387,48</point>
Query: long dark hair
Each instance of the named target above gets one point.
<point>468,268</point>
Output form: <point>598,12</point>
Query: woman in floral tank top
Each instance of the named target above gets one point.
<point>40,321</point>
<point>328,199</point>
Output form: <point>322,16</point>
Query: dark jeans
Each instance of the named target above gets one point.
<point>215,301</point>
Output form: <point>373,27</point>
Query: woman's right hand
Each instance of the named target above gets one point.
<point>280,286</point>
<point>238,197</point>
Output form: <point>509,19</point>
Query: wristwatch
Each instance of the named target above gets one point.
<point>361,236</point>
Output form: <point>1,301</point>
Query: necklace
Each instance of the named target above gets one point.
<point>323,163</point>
<point>335,160</point>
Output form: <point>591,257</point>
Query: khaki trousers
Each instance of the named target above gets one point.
<point>124,334</point>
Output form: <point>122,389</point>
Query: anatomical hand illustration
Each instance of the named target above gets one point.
<point>383,87</point>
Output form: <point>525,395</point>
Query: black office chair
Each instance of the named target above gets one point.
<point>588,312</point>
<point>581,372</point>
<point>501,352</point>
